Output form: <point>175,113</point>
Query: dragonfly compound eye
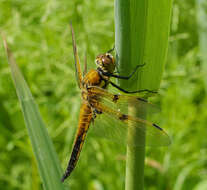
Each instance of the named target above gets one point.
<point>106,62</point>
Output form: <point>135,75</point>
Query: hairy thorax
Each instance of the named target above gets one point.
<point>93,78</point>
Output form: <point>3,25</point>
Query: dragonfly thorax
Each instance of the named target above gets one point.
<point>105,63</point>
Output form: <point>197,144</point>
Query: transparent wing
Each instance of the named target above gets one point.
<point>85,65</point>
<point>77,61</point>
<point>114,125</point>
<point>121,102</point>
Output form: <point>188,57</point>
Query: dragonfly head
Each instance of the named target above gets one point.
<point>106,62</point>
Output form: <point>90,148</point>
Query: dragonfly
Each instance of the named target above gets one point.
<point>98,104</point>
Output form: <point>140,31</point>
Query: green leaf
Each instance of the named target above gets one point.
<point>200,186</point>
<point>141,36</point>
<point>184,174</point>
<point>48,164</point>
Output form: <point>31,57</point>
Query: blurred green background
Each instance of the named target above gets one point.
<point>39,36</point>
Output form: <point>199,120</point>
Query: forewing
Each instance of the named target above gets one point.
<point>77,60</point>
<point>114,125</point>
<point>121,102</point>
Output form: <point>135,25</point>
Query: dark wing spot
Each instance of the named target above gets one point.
<point>123,117</point>
<point>142,99</point>
<point>157,127</point>
<point>115,98</point>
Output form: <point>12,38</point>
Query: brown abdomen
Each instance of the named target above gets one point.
<point>83,125</point>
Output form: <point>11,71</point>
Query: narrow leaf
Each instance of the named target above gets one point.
<point>48,164</point>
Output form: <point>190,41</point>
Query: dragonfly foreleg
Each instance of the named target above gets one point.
<point>109,51</point>
<point>123,77</point>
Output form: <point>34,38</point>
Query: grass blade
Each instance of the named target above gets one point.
<point>48,164</point>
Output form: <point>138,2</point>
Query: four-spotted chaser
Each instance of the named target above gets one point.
<point>97,102</point>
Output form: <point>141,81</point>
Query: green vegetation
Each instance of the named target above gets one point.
<point>49,167</point>
<point>39,36</point>
<point>138,27</point>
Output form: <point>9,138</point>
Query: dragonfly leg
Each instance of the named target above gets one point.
<point>111,50</point>
<point>131,92</point>
<point>95,112</point>
<point>124,77</point>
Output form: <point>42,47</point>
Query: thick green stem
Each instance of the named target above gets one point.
<point>126,55</point>
<point>202,30</point>
<point>135,156</point>
<point>141,36</point>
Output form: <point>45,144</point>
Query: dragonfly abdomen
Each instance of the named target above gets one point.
<point>83,125</point>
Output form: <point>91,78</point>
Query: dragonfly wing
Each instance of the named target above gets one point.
<point>105,126</point>
<point>114,125</point>
<point>122,102</point>
<point>85,65</point>
<point>77,60</point>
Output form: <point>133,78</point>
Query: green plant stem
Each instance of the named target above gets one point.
<point>135,156</point>
<point>124,48</point>
<point>202,31</point>
<point>141,36</point>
